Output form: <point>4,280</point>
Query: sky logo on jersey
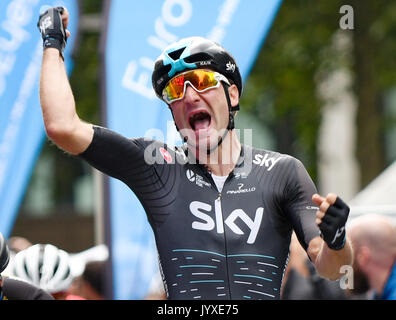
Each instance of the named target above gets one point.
<point>201,210</point>
<point>265,160</point>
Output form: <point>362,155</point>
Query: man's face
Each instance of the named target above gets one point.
<point>202,118</point>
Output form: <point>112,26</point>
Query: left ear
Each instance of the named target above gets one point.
<point>234,95</point>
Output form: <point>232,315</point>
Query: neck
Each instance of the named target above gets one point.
<point>378,277</point>
<point>223,159</point>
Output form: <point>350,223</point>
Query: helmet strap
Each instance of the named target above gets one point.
<point>231,109</point>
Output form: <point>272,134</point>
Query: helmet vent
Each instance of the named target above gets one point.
<point>57,262</point>
<point>25,267</point>
<point>202,56</point>
<point>175,55</point>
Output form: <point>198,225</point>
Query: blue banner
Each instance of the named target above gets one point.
<point>137,33</point>
<point>21,125</point>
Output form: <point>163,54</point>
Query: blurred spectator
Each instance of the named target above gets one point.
<point>46,267</point>
<point>301,281</point>
<point>90,285</point>
<point>374,244</point>
<point>15,244</point>
<point>15,289</point>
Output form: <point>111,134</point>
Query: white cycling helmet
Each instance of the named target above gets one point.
<point>45,266</point>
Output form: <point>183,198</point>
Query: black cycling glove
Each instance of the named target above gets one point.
<point>52,29</point>
<point>332,227</point>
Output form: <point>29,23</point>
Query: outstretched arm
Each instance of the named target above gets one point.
<point>333,250</point>
<point>62,124</point>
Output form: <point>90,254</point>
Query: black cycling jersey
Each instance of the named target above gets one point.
<point>14,289</point>
<point>232,244</point>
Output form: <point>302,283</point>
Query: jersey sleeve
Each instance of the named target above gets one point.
<point>297,202</point>
<point>136,162</point>
<point>14,289</point>
<point>114,154</point>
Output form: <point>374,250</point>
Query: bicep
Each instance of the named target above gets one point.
<point>73,139</point>
<point>115,155</point>
<point>81,138</point>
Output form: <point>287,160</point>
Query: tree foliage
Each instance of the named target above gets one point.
<point>282,88</point>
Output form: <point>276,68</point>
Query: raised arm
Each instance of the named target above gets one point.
<point>322,235</point>
<point>334,250</point>
<point>62,124</point>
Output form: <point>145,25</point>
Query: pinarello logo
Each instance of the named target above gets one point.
<point>166,155</point>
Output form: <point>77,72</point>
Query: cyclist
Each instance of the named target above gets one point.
<point>47,267</point>
<point>222,212</point>
<point>16,289</point>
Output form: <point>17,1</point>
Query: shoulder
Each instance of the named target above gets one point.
<point>271,160</point>
<point>158,152</point>
<point>282,169</point>
<point>103,135</point>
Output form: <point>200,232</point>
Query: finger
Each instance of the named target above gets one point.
<point>319,219</point>
<point>324,227</point>
<point>317,199</point>
<point>329,218</point>
<point>65,16</point>
<point>320,214</point>
<point>324,221</point>
<point>332,211</point>
<point>340,204</point>
<point>324,206</point>
<point>68,34</point>
<point>331,198</point>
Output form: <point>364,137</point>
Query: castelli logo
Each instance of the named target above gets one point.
<point>166,155</point>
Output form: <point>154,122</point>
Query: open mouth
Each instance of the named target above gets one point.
<point>200,121</point>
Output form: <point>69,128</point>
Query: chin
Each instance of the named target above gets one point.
<point>206,138</point>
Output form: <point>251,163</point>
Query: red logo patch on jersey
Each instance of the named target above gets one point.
<point>166,155</point>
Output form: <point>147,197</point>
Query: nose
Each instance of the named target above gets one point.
<point>190,95</point>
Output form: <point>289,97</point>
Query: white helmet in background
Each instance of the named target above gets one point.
<point>45,266</point>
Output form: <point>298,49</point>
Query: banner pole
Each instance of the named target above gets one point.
<point>104,181</point>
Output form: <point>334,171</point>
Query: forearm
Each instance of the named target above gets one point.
<point>56,97</point>
<point>328,262</point>
<point>62,124</point>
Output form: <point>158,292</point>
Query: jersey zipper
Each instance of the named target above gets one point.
<point>221,229</point>
<point>220,221</point>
